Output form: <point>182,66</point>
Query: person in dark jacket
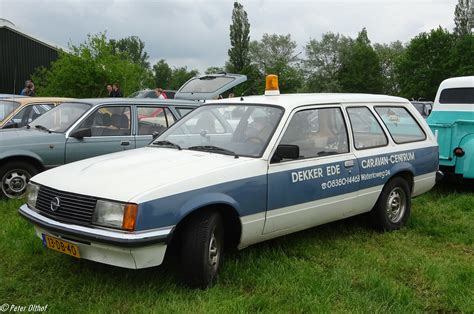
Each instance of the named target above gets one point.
<point>116,90</point>
<point>110,91</point>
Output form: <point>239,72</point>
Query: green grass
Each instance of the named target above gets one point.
<point>339,267</point>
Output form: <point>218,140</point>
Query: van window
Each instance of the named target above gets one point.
<point>402,126</point>
<point>366,130</point>
<point>462,95</point>
<point>317,132</point>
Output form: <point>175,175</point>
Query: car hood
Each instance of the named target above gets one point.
<point>10,138</point>
<point>148,173</point>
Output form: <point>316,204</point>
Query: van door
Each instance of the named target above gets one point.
<point>322,183</point>
<point>110,132</point>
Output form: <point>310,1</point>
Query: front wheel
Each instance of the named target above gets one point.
<point>202,248</point>
<point>393,207</point>
<point>15,177</point>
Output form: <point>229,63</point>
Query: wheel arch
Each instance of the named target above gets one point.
<point>230,216</point>
<point>29,159</point>
<point>406,172</point>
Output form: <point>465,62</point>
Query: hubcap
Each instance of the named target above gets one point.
<point>396,205</point>
<point>214,254</point>
<point>14,183</point>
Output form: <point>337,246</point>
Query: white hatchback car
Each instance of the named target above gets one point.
<point>236,172</point>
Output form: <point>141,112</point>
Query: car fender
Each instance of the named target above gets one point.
<point>402,167</point>
<point>204,200</point>
<point>21,153</point>
<point>465,164</point>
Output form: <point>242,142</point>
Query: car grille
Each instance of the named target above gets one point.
<point>74,208</point>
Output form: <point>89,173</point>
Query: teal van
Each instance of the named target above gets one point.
<point>452,122</point>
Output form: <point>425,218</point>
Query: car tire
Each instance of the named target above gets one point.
<point>14,178</point>
<point>393,206</point>
<point>202,245</point>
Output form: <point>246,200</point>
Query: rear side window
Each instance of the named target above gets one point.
<point>317,132</point>
<point>402,126</point>
<point>464,95</point>
<point>366,130</point>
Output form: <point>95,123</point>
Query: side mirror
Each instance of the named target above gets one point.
<point>285,151</point>
<point>81,133</point>
<point>10,125</point>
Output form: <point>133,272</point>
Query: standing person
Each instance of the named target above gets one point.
<point>29,89</point>
<point>160,94</point>
<point>110,91</point>
<point>116,90</point>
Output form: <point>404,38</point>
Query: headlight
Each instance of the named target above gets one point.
<point>115,215</point>
<point>32,194</point>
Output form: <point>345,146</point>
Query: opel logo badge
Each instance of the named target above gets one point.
<point>55,204</point>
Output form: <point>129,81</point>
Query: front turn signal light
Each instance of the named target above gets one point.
<point>130,217</point>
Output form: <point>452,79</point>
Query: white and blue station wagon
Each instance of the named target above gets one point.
<point>235,172</point>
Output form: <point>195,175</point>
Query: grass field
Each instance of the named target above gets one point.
<point>339,267</point>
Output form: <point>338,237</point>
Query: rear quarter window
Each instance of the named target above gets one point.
<point>401,125</point>
<point>462,95</point>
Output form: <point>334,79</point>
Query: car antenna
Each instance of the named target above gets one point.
<point>241,98</point>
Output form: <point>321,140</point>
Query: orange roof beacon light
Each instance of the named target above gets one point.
<point>271,85</point>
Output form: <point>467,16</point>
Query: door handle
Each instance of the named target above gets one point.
<point>125,143</point>
<point>349,163</point>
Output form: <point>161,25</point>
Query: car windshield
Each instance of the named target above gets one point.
<point>239,130</point>
<point>7,107</point>
<point>60,118</point>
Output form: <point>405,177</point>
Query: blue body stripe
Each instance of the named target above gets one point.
<point>249,196</point>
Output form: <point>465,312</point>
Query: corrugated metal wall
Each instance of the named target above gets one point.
<point>19,57</point>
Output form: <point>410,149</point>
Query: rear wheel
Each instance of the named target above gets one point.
<point>202,245</point>
<point>14,178</point>
<point>393,207</point>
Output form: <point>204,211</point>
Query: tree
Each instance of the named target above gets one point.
<point>426,62</point>
<point>133,47</point>
<point>180,76</point>
<point>275,54</point>
<point>388,55</point>
<point>162,73</point>
<point>462,55</point>
<point>463,17</point>
<point>360,70</point>
<point>214,70</point>
<point>323,61</point>
<point>239,39</point>
<point>85,71</point>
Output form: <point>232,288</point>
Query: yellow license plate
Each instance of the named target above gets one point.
<point>61,246</point>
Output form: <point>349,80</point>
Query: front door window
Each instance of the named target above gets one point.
<point>109,121</point>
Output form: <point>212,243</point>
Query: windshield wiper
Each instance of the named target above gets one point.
<point>40,127</point>
<point>167,143</point>
<point>216,149</point>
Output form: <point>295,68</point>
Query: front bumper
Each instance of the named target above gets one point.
<point>124,249</point>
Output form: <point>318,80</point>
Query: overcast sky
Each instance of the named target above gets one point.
<point>196,33</point>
